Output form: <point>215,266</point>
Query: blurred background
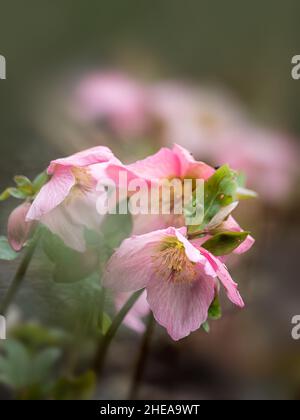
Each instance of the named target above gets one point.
<point>212,76</point>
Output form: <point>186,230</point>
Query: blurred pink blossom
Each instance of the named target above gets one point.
<point>216,128</point>
<point>115,99</point>
<point>268,159</point>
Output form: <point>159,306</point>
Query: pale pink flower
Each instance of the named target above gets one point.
<point>166,164</point>
<point>67,203</point>
<point>180,278</point>
<point>268,159</point>
<point>134,318</point>
<point>113,98</point>
<point>193,116</point>
<point>18,230</point>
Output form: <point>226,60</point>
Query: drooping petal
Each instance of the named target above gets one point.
<point>180,307</point>
<point>18,230</point>
<point>87,157</point>
<point>59,222</point>
<point>225,278</point>
<point>51,194</point>
<point>130,267</point>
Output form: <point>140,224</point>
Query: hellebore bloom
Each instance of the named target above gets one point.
<point>18,229</point>
<point>67,203</point>
<point>113,98</point>
<point>180,278</point>
<point>194,117</point>
<point>134,318</point>
<point>166,165</point>
<point>268,159</point>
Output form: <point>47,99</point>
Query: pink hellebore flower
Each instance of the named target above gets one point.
<point>114,98</point>
<point>134,318</point>
<point>18,230</point>
<point>166,164</point>
<point>269,160</point>
<point>179,277</point>
<point>67,203</point>
<point>193,116</point>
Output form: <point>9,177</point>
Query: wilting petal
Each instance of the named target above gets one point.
<point>180,307</point>
<point>52,194</point>
<point>225,278</point>
<point>134,318</point>
<point>18,230</point>
<point>87,157</point>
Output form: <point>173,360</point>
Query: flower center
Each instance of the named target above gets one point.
<point>84,180</point>
<point>171,262</point>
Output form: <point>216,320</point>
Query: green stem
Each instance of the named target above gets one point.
<point>141,361</point>
<point>102,307</point>
<point>18,278</point>
<point>106,340</point>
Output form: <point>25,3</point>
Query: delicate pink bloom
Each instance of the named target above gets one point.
<point>67,203</point>
<point>268,159</point>
<point>115,99</point>
<point>179,277</point>
<point>18,230</point>
<point>134,318</point>
<point>193,116</point>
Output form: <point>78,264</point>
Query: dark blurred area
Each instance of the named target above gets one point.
<point>243,47</point>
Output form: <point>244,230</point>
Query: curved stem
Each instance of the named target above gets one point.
<point>18,278</point>
<point>106,340</point>
<point>141,361</point>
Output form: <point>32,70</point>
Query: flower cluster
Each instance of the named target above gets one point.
<point>180,266</point>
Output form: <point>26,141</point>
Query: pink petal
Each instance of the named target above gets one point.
<point>231,225</point>
<point>59,223</point>
<point>18,230</point>
<point>192,253</point>
<point>52,194</point>
<point>130,267</point>
<point>180,307</point>
<point>225,278</point>
<point>189,167</point>
<point>87,157</point>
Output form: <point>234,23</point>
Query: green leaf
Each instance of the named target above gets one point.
<point>22,181</point>
<point>5,195</point>
<point>215,310</point>
<point>69,265</point>
<point>17,193</point>
<point>225,242</point>
<point>24,185</point>
<point>39,181</point>
<point>79,388</point>
<point>220,190</point>
<point>43,364</point>
<point>6,252</point>
<point>206,327</point>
